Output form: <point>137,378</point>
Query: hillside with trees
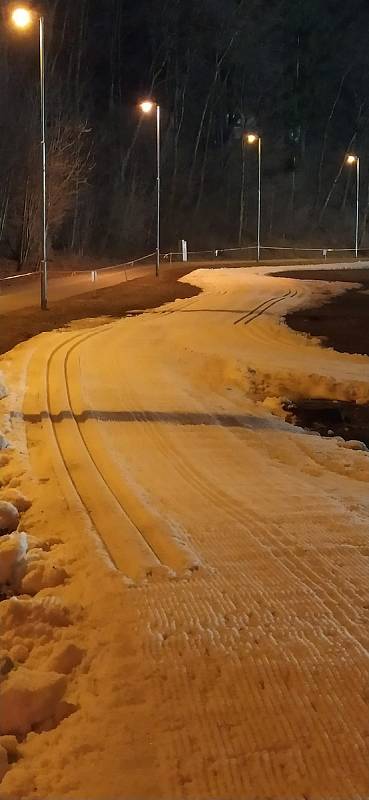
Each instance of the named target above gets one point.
<point>218,68</point>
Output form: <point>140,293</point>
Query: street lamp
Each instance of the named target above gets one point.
<point>351,160</point>
<point>22,18</point>
<point>147,107</point>
<point>252,138</point>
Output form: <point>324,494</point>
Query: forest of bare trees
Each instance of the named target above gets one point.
<point>295,72</point>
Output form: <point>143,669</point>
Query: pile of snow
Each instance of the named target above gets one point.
<point>25,567</point>
<point>37,617</point>
<point>17,499</point>
<point>9,517</point>
<point>32,699</point>
<point>29,698</point>
<point>34,661</point>
<point>353,444</point>
<point>13,549</point>
<point>275,406</point>
<point>40,573</point>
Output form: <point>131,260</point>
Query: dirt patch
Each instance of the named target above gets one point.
<point>114,301</point>
<point>341,323</point>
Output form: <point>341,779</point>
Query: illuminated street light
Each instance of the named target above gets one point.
<point>351,160</point>
<point>252,138</point>
<point>147,106</point>
<point>23,18</point>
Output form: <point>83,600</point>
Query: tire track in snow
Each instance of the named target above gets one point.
<point>123,541</point>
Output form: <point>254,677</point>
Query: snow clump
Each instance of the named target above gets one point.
<point>3,442</point>
<point>353,444</point>
<point>9,517</point>
<point>28,698</point>
<point>12,558</point>
<point>25,569</point>
<point>41,575</point>
<point>17,499</point>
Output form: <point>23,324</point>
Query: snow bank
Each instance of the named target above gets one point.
<point>35,618</point>
<point>297,384</point>
<point>30,691</point>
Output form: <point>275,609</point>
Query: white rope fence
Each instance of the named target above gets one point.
<point>173,256</point>
<point>82,272</point>
<point>220,252</point>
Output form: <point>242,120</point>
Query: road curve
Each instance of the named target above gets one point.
<point>258,659</point>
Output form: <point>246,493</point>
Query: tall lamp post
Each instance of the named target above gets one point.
<point>23,17</point>
<point>350,160</point>
<point>147,107</point>
<point>253,138</point>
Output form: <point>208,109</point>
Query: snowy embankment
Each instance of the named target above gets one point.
<point>183,575</point>
<point>30,698</point>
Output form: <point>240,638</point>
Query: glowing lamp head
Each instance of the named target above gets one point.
<point>147,106</point>
<point>251,138</point>
<point>350,159</point>
<point>22,18</point>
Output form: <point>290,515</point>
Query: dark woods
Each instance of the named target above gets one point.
<point>297,72</point>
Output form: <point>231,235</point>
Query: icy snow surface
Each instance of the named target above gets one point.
<point>208,637</point>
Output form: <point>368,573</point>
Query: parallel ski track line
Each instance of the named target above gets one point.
<point>256,312</point>
<point>158,537</point>
<point>75,344</point>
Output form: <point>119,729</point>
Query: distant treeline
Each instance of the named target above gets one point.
<point>295,72</point>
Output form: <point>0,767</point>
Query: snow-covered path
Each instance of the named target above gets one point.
<point>234,661</point>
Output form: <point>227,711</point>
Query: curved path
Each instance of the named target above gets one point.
<point>256,657</point>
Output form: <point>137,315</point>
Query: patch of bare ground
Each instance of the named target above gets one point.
<point>114,301</point>
<point>342,323</point>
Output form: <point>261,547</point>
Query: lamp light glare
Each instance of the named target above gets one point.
<point>147,106</point>
<point>351,159</point>
<point>22,17</point>
<point>251,138</point>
